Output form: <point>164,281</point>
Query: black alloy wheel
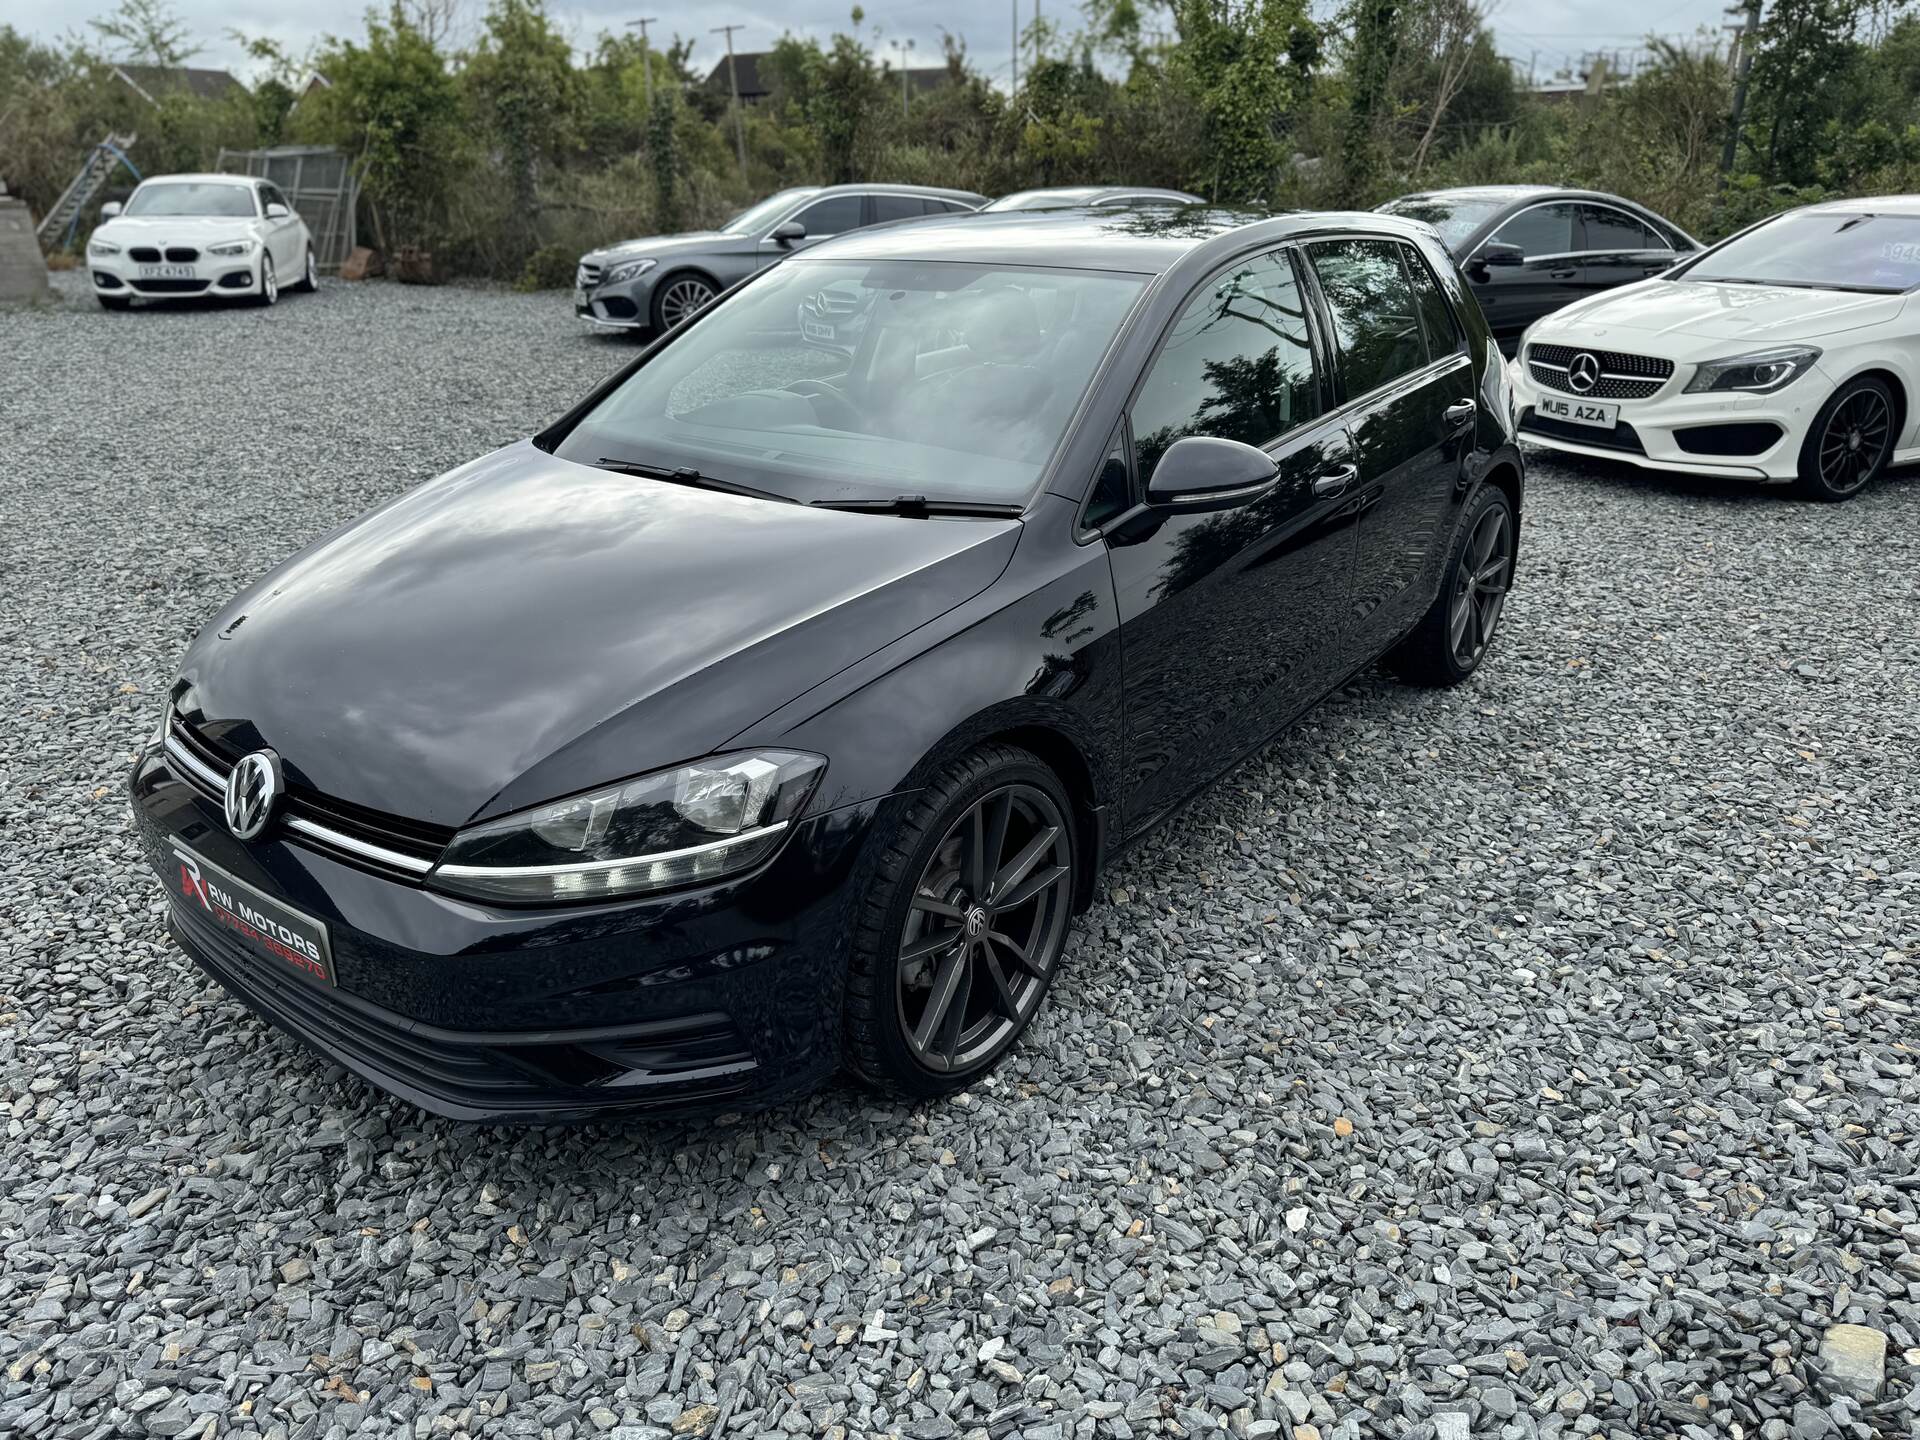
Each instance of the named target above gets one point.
<point>1452,637</point>
<point>963,933</point>
<point>679,300</point>
<point>1850,443</point>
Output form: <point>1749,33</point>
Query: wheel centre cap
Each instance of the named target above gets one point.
<point>1853,440</point>
<point>976,922</point>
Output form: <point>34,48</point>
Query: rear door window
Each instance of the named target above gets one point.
<point>1436,315</point>
<point>1609,229</point>
<point>1376,320</point>
<point>1540,230</point>
<point>898,207</point>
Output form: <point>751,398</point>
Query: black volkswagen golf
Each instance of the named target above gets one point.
<point>776,709</point>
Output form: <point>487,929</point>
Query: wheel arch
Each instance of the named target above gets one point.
<point>1896,385</point>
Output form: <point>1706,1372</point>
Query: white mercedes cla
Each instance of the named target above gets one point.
<point>200,235</point>
<point>1788,352</point>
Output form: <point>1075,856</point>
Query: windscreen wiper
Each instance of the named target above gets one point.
<point>688,476</point>
<point>919,507</point>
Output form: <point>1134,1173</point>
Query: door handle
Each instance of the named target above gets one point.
<point>1562,274</point>
<point>1335,481</point>
<point>1459,413</point>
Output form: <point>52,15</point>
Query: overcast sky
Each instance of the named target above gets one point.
<point>1550,36</point>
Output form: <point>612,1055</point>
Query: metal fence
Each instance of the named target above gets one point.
<point>320,182</point>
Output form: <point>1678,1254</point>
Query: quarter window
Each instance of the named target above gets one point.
<point>1436,315</point>
<point>1539,230</point>
<point>1112,493</point>
<point>1237,364</point>
<point>832,216</point>
<point>898,207</point>
<point>1376,326</point>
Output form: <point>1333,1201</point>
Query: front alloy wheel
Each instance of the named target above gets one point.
<point>269,287</point>
<point>1850,442</point>
<point>679,300</point>
<point>963,923</point>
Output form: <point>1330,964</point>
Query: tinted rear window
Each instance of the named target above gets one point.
<point>1376,324</point>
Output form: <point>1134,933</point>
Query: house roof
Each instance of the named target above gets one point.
<point>154,81</point>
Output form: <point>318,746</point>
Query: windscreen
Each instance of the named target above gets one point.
<point>864,380</point>
<point>760,217</point>
<point>1453,217</point>
<point>1858,251</point>
<point>189,198</point>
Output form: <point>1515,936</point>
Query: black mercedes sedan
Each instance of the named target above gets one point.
<point>776,709</point>
<point>1526,250</point>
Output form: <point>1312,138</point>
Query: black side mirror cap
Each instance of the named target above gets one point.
<point>1497,253</point>
<point>1203,472</point>
<point>787,231</point>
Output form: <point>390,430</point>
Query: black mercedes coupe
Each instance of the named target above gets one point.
<point>776,710</point>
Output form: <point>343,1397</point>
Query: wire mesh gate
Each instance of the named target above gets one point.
<point>320,183</point>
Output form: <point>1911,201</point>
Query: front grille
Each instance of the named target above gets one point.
<point>170,287</point>
<point>674,1061</point>
<point>388,844</point>
<point>182,254</point>
<point>587,276</point>
<point>1622,376</point>
<point>1622,437</point>
<point>144,255</point>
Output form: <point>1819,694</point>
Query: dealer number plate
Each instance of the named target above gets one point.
<point>269,929</point>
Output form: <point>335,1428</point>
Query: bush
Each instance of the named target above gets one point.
<point>550,267</point>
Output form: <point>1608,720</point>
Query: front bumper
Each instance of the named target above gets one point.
<point>711,1000</point>
<point>624,305</point>
<point>233,276</point>
<point>1667,430</point>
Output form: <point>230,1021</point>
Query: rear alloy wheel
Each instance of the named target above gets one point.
<point>310,276</point>
<point>1452,637</point>
<point>1850,442</point>
<point>964,925</point>
<point>679,300</point>
<point>269,287</point>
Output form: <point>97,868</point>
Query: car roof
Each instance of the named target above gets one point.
<point>1146,241</point>
<point>1487,192</point>
<point>201,178</point>
<point>1866,205</point>
<point>939,192</point>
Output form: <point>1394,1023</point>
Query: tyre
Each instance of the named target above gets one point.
<point>1453,636</point>
<point>310,274</point>
<point>960,925</point>
<point>269,287</point>
<point>678,298</point>
<point>114,302</point>
<point>1849,443</point>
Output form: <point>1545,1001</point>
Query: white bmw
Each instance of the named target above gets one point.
<point>1787,352</point>
<point>200,235</point>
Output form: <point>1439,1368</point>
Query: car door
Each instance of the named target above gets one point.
<point>1618,248</point>
<point>1547,277</point>
<point>1406,382</point>
<point>1230,620</point>
<point>824,218</point>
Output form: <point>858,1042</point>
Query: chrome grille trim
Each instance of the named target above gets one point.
<point>1622,376</point>
<point>214,784</point>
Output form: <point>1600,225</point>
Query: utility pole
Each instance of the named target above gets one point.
<point>733,83</point>
<point>646,58</point>
<point>1744,42</point>
<point>1016,47</point>
<point>902,48</point>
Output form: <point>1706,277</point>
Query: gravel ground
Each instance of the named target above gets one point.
<point>1533,1059</point>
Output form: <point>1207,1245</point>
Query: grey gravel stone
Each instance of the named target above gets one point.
<point>1545,1043</point>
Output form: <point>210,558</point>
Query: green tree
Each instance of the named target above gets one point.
<point>1370,61</point>
<point>524,93</point>
<point>1246,66</point>
<point>146,32</point>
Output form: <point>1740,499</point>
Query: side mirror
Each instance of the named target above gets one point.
<point>1497,253</point>
<point>278,212</point>
<point>788,231</point>
<point>110,209</point>
<point>1200,472</point>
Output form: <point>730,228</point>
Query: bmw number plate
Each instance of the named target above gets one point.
<point>269,929</point>
<point>1578,412</point>
<point>166,272</point>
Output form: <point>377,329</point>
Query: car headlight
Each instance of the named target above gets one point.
<point>232,247</point>
<point>627,270</point>
<point>102,247</point>
<point>1760,373</point>
<point>688,826</point>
